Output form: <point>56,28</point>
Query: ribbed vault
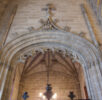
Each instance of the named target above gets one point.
<point>64,75</point>
<point>49,58</point>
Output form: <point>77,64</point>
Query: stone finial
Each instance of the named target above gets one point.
<point>49,8</point>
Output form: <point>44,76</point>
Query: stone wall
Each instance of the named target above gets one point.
<point>3,6</point>
<point>7,13</point>
<point>68,12</point>
<point>61,83</point>
<point>16,82</point>
<point>29,13</point>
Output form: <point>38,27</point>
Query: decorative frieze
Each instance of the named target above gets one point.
<point>72,54</point>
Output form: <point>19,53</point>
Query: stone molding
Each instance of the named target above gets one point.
<point>76,46</point>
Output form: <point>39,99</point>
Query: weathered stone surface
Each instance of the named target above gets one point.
<point>29,14</point>
<point>69,14</point>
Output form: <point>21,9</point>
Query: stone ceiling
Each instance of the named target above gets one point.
<point>64,75</point>
<point>55,61</point>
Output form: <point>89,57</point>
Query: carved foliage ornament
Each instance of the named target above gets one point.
<point>72,54</point>
<point>49,24</point>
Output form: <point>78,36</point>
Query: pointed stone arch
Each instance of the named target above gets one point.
<point>86,52</point>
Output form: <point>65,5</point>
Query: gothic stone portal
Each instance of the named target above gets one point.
<point>79,48</point>
<point>51,37</point>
